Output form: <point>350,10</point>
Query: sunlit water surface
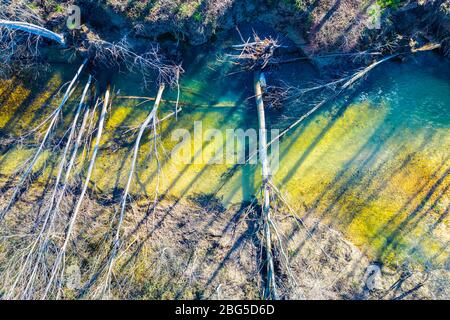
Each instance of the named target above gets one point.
<point>373,165</point>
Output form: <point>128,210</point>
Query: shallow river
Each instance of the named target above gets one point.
<point>373,165</point>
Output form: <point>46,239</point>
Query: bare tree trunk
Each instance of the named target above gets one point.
<point>33,29</point>
<point>152,117</point>
<point>51,210</point>
<point>62,252</point>
<point>41,146</point>
<point>270,287</point>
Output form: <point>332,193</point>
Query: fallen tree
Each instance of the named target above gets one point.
<point>33,29</point>
<point>153,119</point>
<point>270,287</point>
<point>56,269</point>
<point>256,56</point>
<point>53,119</point>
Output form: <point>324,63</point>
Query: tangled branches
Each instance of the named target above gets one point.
<point>150,64</point>
<point>18,50</point>
<point>21,34</point>
<point>255,55</point>
<point>275,96</point>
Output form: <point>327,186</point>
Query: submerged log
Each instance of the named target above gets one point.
<point>54,118</point>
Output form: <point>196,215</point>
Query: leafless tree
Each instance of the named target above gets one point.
<point>255,54</point>
<point>21,35</point>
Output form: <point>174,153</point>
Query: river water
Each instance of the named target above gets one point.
<point>373,164</point>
